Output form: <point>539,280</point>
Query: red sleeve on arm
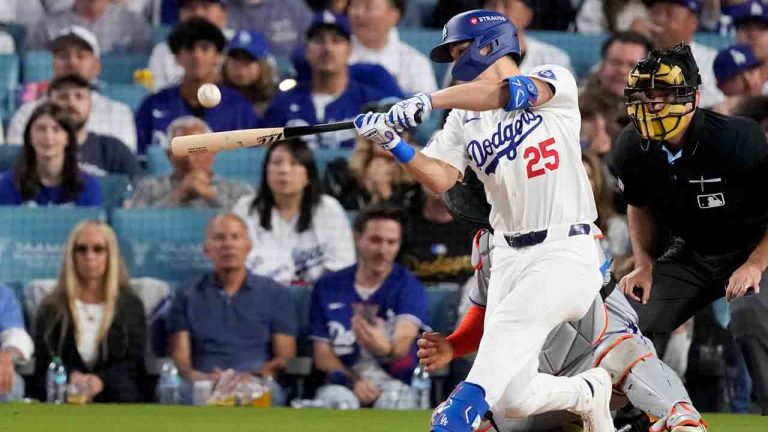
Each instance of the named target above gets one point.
<point>466,338</point>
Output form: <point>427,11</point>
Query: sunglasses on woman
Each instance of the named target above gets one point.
<point>82,249</point>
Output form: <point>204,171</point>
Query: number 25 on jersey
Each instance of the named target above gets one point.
<point>541,157</point>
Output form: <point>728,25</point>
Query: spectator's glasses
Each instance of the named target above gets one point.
<point>82,249</point>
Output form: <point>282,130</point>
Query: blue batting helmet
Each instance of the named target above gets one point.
<point>484,28</point>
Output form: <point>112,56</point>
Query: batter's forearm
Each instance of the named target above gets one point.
<point>642,231</point>
<point>466,338</point>
<point>474,96</point>
<point>435,175</point>
<point>759,257</point>
<point>484,95</point>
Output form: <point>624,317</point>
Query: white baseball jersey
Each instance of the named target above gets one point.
<point>529,160</point>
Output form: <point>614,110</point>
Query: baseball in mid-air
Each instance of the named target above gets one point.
<point>209,95</point>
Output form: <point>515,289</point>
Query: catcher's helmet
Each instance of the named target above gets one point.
<point>484,28</point>
<point>661,91</point>
<point>466,200</point>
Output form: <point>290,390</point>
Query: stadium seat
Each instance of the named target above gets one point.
<point>302,298</point>
<point>713,40</point>
<point>163,243</point>
<point>18,32</point>
<point>8,155</point>
<point>151,291</point>
<point>119,68</point>
<point>242,164</point>
<point>9,82</point>
<point>325,156</point>
<point>32,238</point>
<point>129,94</point>
<point>160,33</point>
<point>584,49</point>
<point>115,188</point>
<point>37,66</point>
<point>443,306</point>
<point>423,40</point>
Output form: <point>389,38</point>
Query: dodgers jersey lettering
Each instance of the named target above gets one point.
<point>529,160</point>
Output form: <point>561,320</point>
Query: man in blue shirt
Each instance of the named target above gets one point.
<point>330,95</point>
<point>197,45</point>
<point>365,319</point>
<point>231,319</point>
<point>16,346</point>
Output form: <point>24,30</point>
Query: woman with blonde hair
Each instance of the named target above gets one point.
<point>372,174</point>
<point>93,321</point>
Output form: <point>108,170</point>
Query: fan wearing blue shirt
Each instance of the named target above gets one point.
<point>330,94</point>
<point>197,45</point>
<point>230,318</point>
<point>365,319</point>
<point>46,171</point>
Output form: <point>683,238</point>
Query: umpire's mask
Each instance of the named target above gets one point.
<point>661,91</point>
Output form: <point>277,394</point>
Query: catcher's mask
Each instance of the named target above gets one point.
<point>661,91</point>
<point>466,199</point>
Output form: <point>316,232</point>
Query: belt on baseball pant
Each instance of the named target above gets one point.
<point>533,238</point>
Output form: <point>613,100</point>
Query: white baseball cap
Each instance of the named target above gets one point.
<point>82,34</point>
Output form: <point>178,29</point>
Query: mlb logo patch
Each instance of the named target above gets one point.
<point>473,20</point>
<point>711,201</point>
<point>546,73</point>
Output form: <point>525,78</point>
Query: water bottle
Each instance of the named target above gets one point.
<point>50,383</point>
<point>422,384</point>
<point>168,385</point>
<point>56,382</point>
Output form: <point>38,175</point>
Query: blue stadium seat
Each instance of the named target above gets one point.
<point>242,164</point>
<point>713,40</point>
<point>32,238</point>
<point>9,82</point>
<point>37,66</point>
<point>584,49</point>
<point>163,243</point>
<point>160,33</point>
<point>8,155</point>
<point>119,68</point>
<point>423,40</point>
<point>302,300</point>
<point>129,94</point>
<point>115,188</point>
<point>325,156</point>
<point>444,301</point>
<point>18,32</point>
<point>157,161</point>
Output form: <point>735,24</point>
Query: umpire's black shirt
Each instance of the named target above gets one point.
<point>714,195</point>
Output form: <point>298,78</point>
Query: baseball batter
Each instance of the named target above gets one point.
<point>607,337</point>
<point>520,135</point>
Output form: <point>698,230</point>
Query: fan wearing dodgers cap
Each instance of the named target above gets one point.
<point>330,94</point>
<point>76,51</point>
<point>247,69</point>
<point>739,72</point>
<point>520,135</point>
<point>750,18</point>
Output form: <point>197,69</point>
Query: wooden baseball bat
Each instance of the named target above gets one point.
<point>229,140</point>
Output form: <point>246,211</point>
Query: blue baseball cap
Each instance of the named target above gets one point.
<point>328,19</point>
<point>746,10</point>
<point>251,42</point>
<point>733,60</point>
<point>694,6</point>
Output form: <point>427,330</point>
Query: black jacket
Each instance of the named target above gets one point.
<point>120,362</point>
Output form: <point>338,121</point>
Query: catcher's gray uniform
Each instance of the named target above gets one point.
<point>608,337</point>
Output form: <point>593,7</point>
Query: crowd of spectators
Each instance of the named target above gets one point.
<point>368,300</point>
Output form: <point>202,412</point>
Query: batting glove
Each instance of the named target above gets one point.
<point>372,127</point>
<point>410,112</point>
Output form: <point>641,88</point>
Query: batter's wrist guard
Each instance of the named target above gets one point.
<point>463,411</point>
<point>523,93</point>
<point>403,152</point>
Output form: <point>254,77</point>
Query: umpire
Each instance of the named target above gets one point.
<point>699,177</point>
